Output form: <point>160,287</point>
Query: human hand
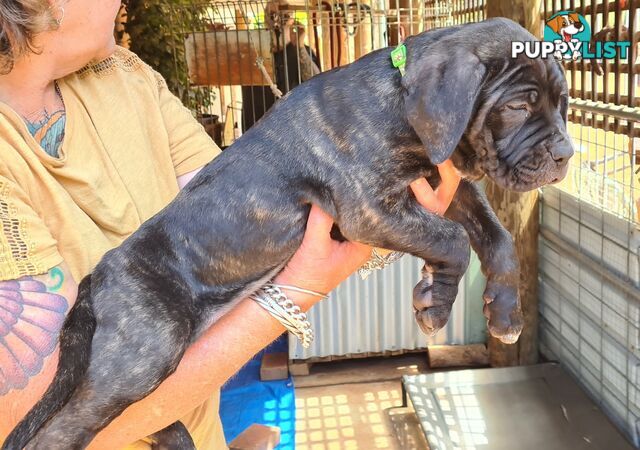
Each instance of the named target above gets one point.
<point>321,264</point>
<point>437,201</point>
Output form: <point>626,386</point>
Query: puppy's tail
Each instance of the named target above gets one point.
<point>75,349</point>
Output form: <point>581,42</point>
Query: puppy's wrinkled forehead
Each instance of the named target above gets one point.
<point>547,75</point>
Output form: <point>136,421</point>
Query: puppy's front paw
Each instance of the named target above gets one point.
<point>502,310</point>
<point>433,298</point>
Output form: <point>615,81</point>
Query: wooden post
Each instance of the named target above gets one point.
<point>525,12</point>
<point>472,355</point>
<point>519,214</point>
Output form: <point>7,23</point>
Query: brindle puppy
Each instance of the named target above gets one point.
<point>364,134</point>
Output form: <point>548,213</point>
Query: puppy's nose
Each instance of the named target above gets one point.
<point>561,151</point>
<point>578,25</point>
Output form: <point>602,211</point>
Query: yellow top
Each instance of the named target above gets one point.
<point>127,138</point>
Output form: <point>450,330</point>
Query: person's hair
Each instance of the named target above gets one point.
<point>20,22</point>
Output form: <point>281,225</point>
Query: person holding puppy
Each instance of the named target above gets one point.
<point>92,144</point>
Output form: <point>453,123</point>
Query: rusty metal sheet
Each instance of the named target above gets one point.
<point>228,58</point>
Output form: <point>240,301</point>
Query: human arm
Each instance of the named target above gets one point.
<point>32,312</point>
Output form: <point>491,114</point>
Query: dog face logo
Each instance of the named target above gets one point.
<point>569,32</point>
<point>566,24</point>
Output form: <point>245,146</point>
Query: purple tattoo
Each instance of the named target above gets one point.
<point>30,321</point>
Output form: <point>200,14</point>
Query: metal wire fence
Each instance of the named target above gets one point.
<point>243,54</point>
<point>590,246</point>
<point>604,171</point>
<point>611,21</point>
<point>590,266</point>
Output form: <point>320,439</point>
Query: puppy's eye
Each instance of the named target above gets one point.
<point>533,97</point>
<point>517,106</point>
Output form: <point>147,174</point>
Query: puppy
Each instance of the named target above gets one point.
<point>366,133</point>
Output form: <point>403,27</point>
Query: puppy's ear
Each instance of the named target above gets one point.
<point>555,24</point>
<point>441,92</point>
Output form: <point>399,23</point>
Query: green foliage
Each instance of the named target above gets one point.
<point>157,29</point>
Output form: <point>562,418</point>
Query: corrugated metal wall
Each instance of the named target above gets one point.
<point>376,315</point>
<point>590,322</point>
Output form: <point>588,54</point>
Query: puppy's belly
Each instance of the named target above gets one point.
<point>220,311</point>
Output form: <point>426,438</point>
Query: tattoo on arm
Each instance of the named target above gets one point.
<point>31,315</point>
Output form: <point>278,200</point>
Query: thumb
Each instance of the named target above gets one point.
<point>447,189</point>
<point>424,194</point>
<point>318,230</point>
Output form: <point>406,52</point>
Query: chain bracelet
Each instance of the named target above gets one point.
<point>377,262</point>
<point>272,299</point>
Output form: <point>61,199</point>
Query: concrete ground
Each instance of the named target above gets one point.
<point>356,405</point>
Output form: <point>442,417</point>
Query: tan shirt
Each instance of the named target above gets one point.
<point>127,138</point>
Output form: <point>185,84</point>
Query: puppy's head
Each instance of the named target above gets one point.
<point>566,25</point>
<point>491,114</point>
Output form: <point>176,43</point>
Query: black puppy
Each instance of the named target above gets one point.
<point>366,133</point>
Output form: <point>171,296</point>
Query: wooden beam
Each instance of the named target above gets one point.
<point>519,213</point>
<point>525,12</point>
<point>473,355</point>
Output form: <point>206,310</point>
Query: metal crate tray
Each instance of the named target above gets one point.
<point>532,407</point>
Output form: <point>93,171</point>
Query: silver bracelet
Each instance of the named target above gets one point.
<point>301,290</point>
<point>271,298</point>
<point>377,262</point>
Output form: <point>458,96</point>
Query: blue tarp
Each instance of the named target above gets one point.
<point>246,400</point>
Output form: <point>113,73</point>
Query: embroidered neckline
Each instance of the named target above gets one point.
<point>120,59</point>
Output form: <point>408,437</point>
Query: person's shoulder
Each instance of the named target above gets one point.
<point>121,65</point>
<point>121,60</point>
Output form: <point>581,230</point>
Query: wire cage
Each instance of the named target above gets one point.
<point>590,242</point>
<point>607,165</point>
<point>242,55</point>
<point>589,272</point>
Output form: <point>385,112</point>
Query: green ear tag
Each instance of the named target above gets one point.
<point>399,58</point>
